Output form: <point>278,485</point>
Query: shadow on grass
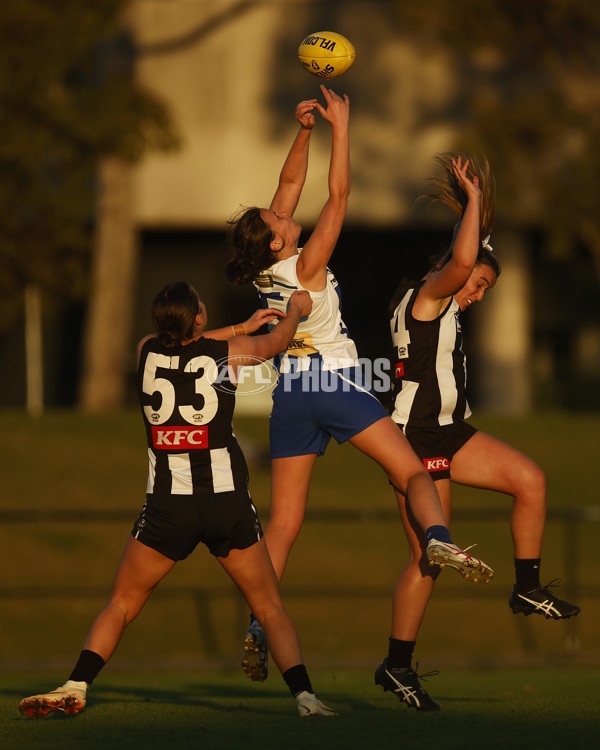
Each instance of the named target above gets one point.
<point>253,697</point>
<point>516,709</point>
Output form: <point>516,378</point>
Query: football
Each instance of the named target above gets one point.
<point>326,54</point>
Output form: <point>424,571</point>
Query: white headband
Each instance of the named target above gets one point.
<point>486,244</point>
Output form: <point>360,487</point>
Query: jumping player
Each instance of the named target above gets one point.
<point>430,406</point>
<point>320,390</point>
<point>197,487</point>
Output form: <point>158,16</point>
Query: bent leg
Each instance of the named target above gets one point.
<point>140,570</point>
<point>290,481</point>
<point>386,444</point>
<point>487,463</point>
<point>251,570</point>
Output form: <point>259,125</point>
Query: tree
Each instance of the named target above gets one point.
<point>115,256</point>
<point>69,101</point>
<point>528,94</point>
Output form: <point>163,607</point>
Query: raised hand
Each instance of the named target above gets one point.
<point>338,108</point>
<point>304,113</point>
<point>471,187</point>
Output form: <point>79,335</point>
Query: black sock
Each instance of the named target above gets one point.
<point>527,572</point>
<point>400,654</point>
<point>87,668</point>
<point>440,533</point>
<point>296,678</point>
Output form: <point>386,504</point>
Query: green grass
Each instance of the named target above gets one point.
<point>76,461</point>
<point>492,709</point>
<point>505,681</point>
<point>340,576</point>
<point>337,588</point>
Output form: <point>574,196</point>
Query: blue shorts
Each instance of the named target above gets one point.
<point>311,407</point>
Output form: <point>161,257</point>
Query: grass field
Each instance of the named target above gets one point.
<point>492,709</point>
<point>504,679</point>
<point>341,574</point>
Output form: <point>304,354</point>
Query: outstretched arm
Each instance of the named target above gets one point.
<point>312,264</point>
<point>246,350</point>
<point>293,172</point>
<point>454,274</point>
<point>254,322</point>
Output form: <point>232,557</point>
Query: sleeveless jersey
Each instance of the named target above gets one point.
<point>429,383</point>
<point>323,334</point>
<point>187,402</point>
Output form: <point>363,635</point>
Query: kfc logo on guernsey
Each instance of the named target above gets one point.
<point>436,464</point>
<point>179,438</point>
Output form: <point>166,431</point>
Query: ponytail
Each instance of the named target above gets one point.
<point>174,311</point>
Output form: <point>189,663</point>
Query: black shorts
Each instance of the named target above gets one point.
<point>175,524</point>
<point>436,447</point>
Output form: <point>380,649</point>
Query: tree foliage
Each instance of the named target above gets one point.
<point>529,96</point>
<point>67,99</point>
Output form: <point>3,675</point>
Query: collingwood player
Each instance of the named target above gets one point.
<point>197,487</point>
<point>430,405</point>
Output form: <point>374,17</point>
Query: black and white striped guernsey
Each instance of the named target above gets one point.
<point>429,374</point>
<point>187,403</point>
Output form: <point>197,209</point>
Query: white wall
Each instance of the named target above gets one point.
<point>220,90</point>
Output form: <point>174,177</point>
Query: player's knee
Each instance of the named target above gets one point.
<point>127,605</point>
<point>407,477</point>
<point>418,479</point>
<point>268,611</point>
<point>538,480</point>
<point>283,527</point>
<point>532,484</point>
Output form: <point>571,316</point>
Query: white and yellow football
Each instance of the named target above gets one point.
<point>326,54</point>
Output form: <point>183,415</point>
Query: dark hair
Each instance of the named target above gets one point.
<point>249,239</point>
<point>174,311</point>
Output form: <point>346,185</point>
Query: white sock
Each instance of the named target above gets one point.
<point>72,684</point>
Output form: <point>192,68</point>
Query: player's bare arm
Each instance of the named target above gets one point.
<point>441,285</point>
<point>246,350</point>
<point>293,172</point>
<point>312,265</point>
<point>258,319</point>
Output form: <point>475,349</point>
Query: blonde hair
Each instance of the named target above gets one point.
<point>447,189</point>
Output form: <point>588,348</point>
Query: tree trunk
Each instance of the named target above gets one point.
<point>34,350</point>
<point>110,309</point>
